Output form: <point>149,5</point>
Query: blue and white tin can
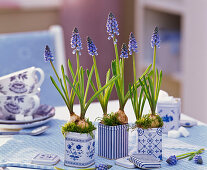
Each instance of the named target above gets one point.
<point>170,113</point>
<point>150,142</point>
<point>79,150</point>
<point>112,141</point>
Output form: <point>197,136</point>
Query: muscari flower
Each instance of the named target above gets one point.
<point>92,50</point>
<point>132,44</point>
<point>102,167</point>
<point>112,27</point>
<point>198,159</point>
<point>155,40</point>
<point>172,160</point>
<point>76,41</point>
<point>48,54</point>
<point>124,51</point>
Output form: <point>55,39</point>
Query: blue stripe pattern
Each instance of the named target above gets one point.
<point>112,141</point>
<point>144,165</point>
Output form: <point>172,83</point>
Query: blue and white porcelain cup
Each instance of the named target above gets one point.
<point>13,106</point>
<point>21,82</point>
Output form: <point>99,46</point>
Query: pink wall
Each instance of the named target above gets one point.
<point>90,17</point>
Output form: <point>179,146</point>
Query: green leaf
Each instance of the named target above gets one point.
<point>99,91</point>
<point>137,83</point>
<point>92,84</point>
<point>76,90</point>
<point>159,85</point>
<point>65,89</point>
<point>146,91</point>
<point>71,69</point>
<point>108,75</point>
<point>156,83</point>
<point>98,82</point>
<point>88,83</point>
<point>81,81</point>
<point>118,90</point>
<point>142,106</point>
<point>152,94</point>
<point>58,89</point>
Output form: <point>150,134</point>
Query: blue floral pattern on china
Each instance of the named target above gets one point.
<point>91,150</point>
<point>17,84</point>
<point>74,151</point>
<point>150,142</point>
<point>170,113</point>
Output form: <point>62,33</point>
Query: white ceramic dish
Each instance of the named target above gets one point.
<point>42,116</point>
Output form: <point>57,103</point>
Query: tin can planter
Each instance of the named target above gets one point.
<point>170,114</point>
<point>79,150</point>
<point>112,141</point>
<point>150,142</point>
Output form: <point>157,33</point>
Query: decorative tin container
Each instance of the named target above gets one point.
<point>79,150</point>
<point>112,141</point>
<point>170,113</point>
<point>150,142</point>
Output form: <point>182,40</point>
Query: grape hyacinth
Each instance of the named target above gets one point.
<point>198,159</point>
<point>92,50</point>
<point>132,44</point>
<point>112,27</point>
<point>76,41</point>
<point>48,54</point>
<point>102,167</point>
<point>172,160</point>
<point>124,51</point>
<point>155,40</point>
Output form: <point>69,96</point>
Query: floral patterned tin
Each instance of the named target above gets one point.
<point>79,150</point>
<point>150,142</point>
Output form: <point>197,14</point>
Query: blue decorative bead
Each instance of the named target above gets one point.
<point>172,160</point>
<point>92,50</point>
<point>132,44</point>
<point>124,51</point>
<point>112,27</point>
<point>76,41</point>
<point>198,159</point>
<point>48,54</point>
<point>155,40</point>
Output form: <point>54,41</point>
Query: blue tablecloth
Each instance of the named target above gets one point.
<point>24,148</point>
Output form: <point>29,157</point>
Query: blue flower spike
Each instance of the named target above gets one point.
<point>155,40</point>
<point>124,51</point>
<point>132,44</point>
<point>172,160</point>
<point>198,159</point>
<point>102,167</point>
<point>76,43</point>
<point>92,50</point>
<point>48,54</point>
<point>112,27</point>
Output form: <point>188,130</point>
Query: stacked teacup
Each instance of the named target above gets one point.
<point>19,94</point>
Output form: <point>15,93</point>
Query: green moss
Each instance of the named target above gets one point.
<point>72,127</point>
<point>147,121</point>
<point>110,120</point>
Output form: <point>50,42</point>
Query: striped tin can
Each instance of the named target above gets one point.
<point>79,150</point>
<point>112,141</point>
<point>150,142</point>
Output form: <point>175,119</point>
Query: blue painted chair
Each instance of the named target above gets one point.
<point>22,50</point>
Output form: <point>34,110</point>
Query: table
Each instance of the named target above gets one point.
<point>180,145</point>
